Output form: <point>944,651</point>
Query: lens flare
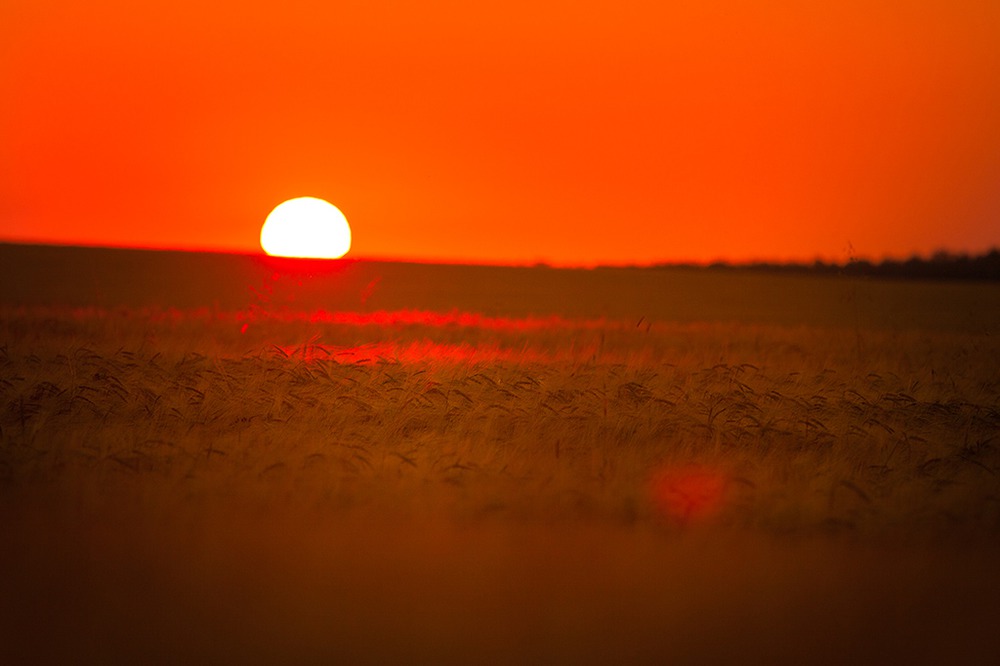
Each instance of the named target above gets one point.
<point>688,494</point>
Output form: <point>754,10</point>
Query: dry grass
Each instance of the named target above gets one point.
<point>560,421</point>
<point>439,486</point>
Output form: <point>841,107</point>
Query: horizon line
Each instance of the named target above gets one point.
<point>535,263</point>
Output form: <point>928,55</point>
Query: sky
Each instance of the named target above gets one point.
<point>570,133</point>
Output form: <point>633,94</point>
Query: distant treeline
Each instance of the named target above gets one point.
<point>940,266</point>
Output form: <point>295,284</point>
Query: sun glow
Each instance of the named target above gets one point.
<point>306,227</point>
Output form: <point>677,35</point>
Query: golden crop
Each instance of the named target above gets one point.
<point>767,469</point>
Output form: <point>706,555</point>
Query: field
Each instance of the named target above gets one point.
<point>224,459</point>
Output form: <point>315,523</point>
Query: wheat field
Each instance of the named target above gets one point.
<point>397,463</point>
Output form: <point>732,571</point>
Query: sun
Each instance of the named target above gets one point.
<point>306,227</point>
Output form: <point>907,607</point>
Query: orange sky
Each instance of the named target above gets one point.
<point>509,131</point>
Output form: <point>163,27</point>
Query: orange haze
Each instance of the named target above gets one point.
<point>567,132</point>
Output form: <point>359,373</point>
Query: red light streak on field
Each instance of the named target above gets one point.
<point>281,330</point>
<point>421,318</point>
<point>376,318</point>
<point>414,352</point>
<point>422,351</point>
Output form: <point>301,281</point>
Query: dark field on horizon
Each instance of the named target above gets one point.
<point>229,458</point>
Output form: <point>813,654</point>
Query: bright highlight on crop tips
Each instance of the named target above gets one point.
<point>306,227</point>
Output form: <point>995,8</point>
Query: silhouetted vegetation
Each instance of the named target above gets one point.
<point>940,266</point>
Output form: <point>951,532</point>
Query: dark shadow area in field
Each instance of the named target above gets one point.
<point>41,275</point>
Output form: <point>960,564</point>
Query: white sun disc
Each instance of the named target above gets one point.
<point>306,227</point>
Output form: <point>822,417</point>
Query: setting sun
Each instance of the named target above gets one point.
<point>306,227</point>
